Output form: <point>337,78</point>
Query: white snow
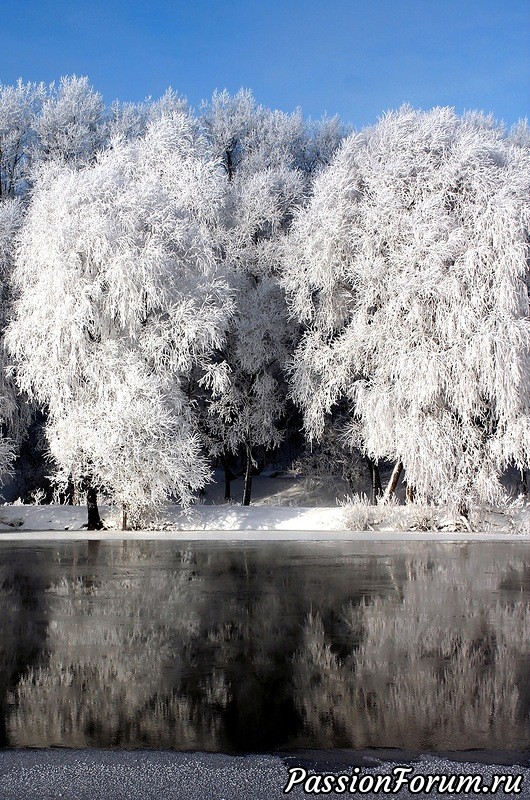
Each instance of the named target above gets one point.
<point>285,508</point>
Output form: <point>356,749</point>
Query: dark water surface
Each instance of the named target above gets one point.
<point>236,648</point>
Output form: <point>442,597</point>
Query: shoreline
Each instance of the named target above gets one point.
<point>249,536</point>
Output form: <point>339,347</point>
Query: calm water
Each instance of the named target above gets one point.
<point>421,646</point>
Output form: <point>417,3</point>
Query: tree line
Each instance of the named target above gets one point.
<point>182,288</point>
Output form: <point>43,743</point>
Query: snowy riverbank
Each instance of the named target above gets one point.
<point>284,508</point>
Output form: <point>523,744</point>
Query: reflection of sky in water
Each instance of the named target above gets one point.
<point>232,648</point>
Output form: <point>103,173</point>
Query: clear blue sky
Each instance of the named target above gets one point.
<point>356,58</point>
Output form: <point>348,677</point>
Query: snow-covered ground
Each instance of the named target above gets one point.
<point>146,775</point>
<point>283,507</point>
<point>278,503</point>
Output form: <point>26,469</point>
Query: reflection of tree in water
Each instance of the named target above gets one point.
<point>195,651</point>
<point>439,669</point>
<point>252,635</point>
<point>112,635</point>
<point>516,581</point>
<point>263,648</point>
<point>23,622</point>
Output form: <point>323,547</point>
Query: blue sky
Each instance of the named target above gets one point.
<point>356,58</point>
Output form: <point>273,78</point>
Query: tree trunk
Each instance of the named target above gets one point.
<point>410,493</point>
<point>229,475</point>
<point>124,518</point>
<point>69,494</point>
<point>94,520</point>
<point>377,489</point>
<point>247,489</point>
<point>229,163</point>
<point>392,483</point>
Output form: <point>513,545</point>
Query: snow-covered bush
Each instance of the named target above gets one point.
<point>359,513</point>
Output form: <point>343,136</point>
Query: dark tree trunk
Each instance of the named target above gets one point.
<point>377,489</point>
<point>94,520</point>
<point>410,493</point>
<point>247,489</point>
<point>392,483</point>
<point>229,163</point>
<point>229,475</point>
<point>69,494</point>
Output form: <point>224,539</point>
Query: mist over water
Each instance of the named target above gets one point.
<point>420,646</point>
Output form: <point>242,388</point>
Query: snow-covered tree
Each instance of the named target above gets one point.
<point>265,155</point>
<point>19,108</point>
<point>248,411</point>
<point>409,268</point>
<point>72,124</point>
<point>37,123</point>
<point>13,414</point>
<point>119,300</point>
<point>249,137</point>
<point>260,190</point>
<point>130,120</point>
